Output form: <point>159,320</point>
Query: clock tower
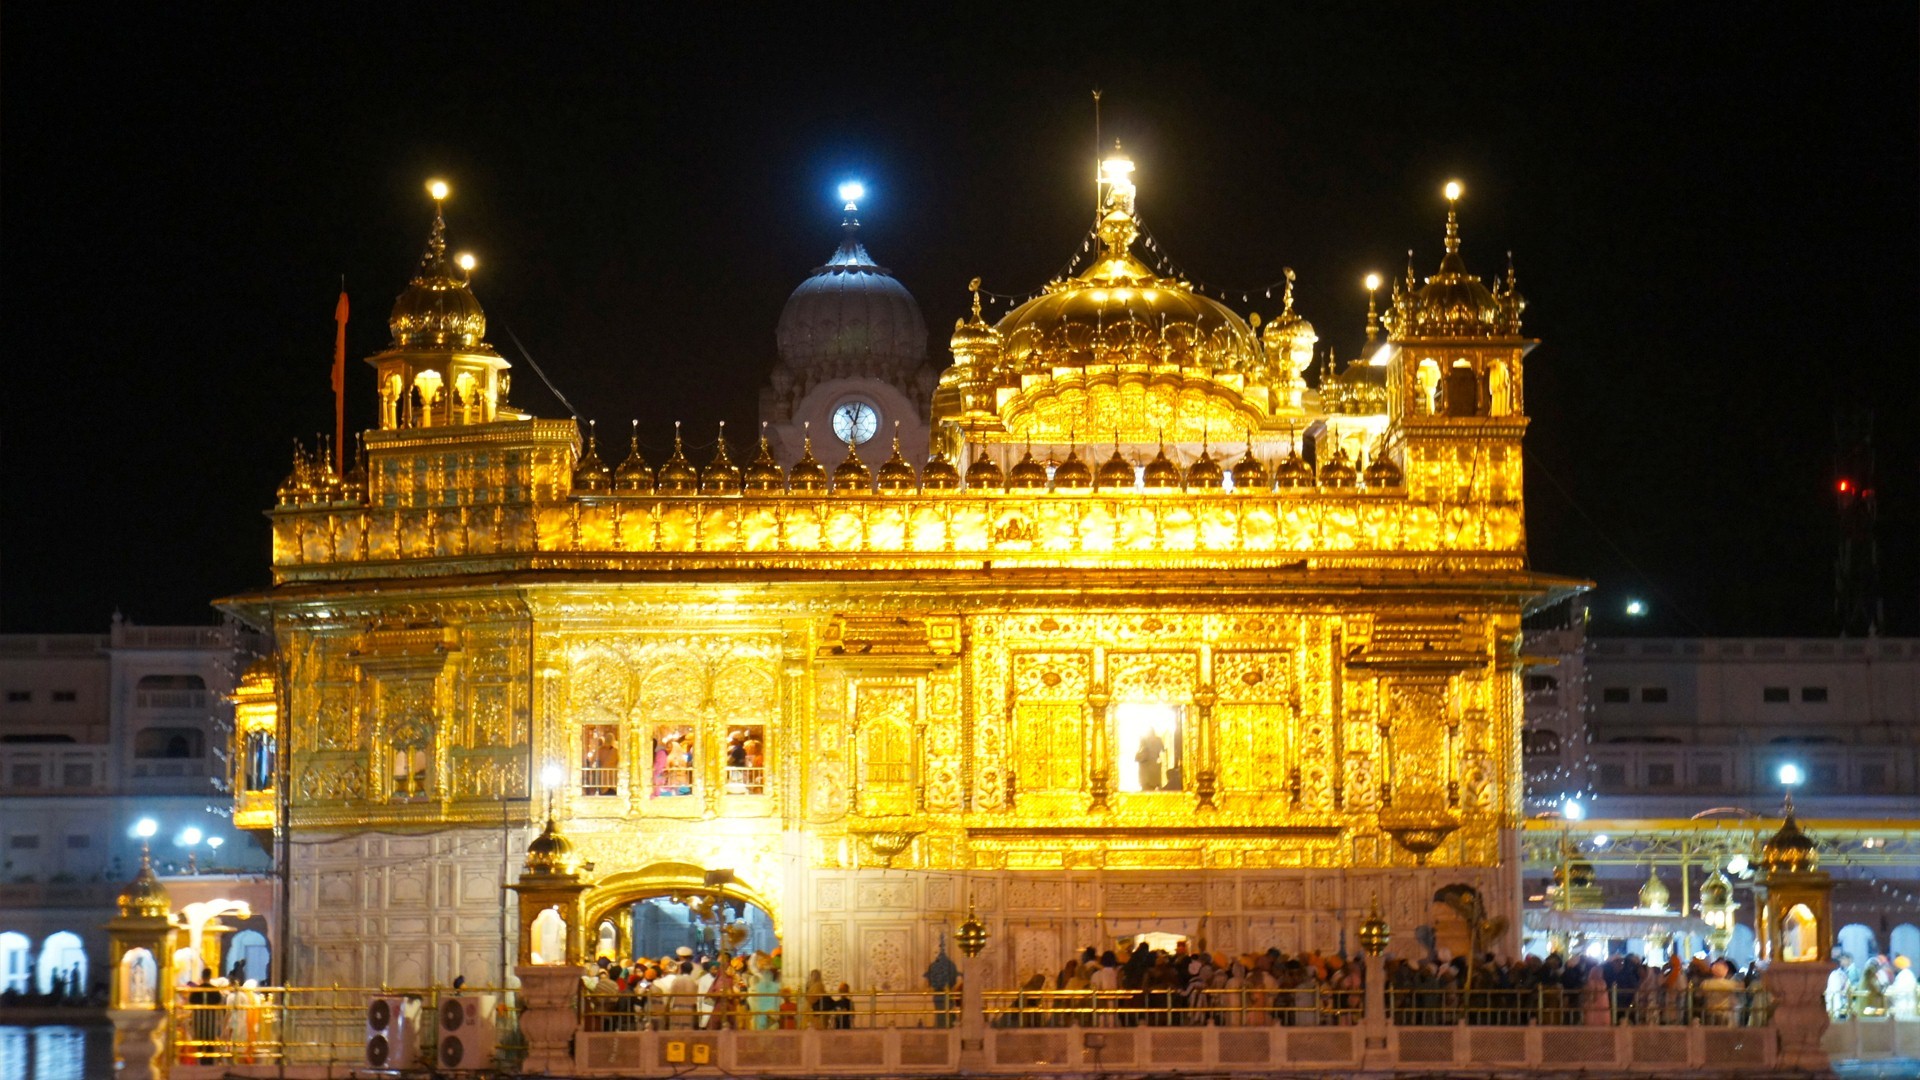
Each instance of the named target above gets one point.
<point>853,366</point>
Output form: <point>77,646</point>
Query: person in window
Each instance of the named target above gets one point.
<point>1150,759</point>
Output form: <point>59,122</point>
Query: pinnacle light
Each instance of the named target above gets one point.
<point>552,776</point>
<point>1737,865</point>
<point>145,828</point>
<point>437,189</point>
<point>1574,811</point>
<point>852,191</point>
<point>1117,167</point>
<point>1373,282</point>
<point>1791,774</point>
<point>1636,608</point>
<point>189,836</point>
<point>1453,190</point>
<point>467,261</point>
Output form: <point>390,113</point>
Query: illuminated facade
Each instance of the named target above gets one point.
<point>1121,655</point>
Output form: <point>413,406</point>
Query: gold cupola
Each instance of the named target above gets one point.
<point>1453,303</point>
<point>144,897</point>
<point>634,476</point>
<point>677,476</point>
<point>721,476</point>
<point>1116,473</point>
<point>896,475</point>
<point>763,474</point>
<point>1289,339</point>
<point>590,474</point>
<point>1790,850</point>
<point>807,476</point>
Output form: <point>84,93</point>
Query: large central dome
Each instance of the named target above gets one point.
<point>850,318</point>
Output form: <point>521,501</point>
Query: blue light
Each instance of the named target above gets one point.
<point>1636,608</point>
<point>852,191</point>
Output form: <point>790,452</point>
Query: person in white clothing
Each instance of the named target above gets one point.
<point>1904,995</point>
<point>1839,993</point>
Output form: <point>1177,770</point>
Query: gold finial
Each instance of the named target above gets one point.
<point>974,287</point>
<point>1373,314</point>
<point>1453,191</point>
<point>1287,297</point>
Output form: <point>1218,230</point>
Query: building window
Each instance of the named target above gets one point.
<point>1708,775</point>
<point>1660,775</point>
<point>66,697</point>
<point>1616,695</point>
<point>19,697</point>
<point>1774,695</point>
<point>1148,747</point>
<point>1653,695</point>
<point>1824,775</point>
<point>746,760</point>
<point>25,776</point>
<point>1873,776</point>
<point>1613,775</point>
<point>169,742</point>
<point>79,842</point>
<point>23,842</point>
<point>170,692</point>
<point>600,759</point>
<point>672,760</point>
<point>1813,694</point>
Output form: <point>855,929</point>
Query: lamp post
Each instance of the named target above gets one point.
<point>189,838</point>
<point>140,942</point>
<point>971,937</point>
<point>213,851</point>
<point>1375,934</point>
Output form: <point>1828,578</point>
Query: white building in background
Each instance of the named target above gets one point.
<point>1663,744</point>
<point>96,732</point>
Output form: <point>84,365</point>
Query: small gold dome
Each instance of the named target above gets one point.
<point>634,476</point>
<point>551,853</point>
<point>1654,894</point>
<point>1117,473</point>
<point>1205,474</point>
<point>1716,891</point>
<point>763,474</point>
<point>353,486</point>
<point>973,341</point>
<point>144,897</point>
<point>1382,473</point>
<point>807,474</point>
<point>677,476</point>
<point>1338,472</point>
<point>1294,472</point>
<point>1027,474</point>
<point>1161,472</point>
<point>984,475</point>
<point>1789,851</point>
<point>1073,474</point>
<point>851,476</point>
<point>260,675</point>
<point>1453,303</point>
<point>721,476</point>
<point>896,475</point>
<point>590,474</point>
<point>939,474</point>
<point>1248,473</point>
<point>437,310</point>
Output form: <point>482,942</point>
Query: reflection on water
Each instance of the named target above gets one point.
<point>55,1052</point>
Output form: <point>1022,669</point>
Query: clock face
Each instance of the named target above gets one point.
<point>855,422</point>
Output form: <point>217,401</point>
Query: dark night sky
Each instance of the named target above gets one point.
<point>1714,211</point>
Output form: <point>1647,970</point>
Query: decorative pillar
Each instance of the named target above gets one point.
<point>140,946</point>
<point>971,937</point>
<point>1203,743</point>
<point>1099,779</point>
<point>1796,925</point>
<point>551,956</point>
<point>1374,937</point>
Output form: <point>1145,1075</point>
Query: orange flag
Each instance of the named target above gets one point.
<point>340,382</point>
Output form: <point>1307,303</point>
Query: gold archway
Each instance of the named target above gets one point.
<point>669,878</point>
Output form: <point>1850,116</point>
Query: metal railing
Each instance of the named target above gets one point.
<point>271,1025</point>
<point>746,780</point>
<point>594,781</point>
<point>1553,1006</point>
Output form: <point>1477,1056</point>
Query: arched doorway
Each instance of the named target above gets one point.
<point>655,912</point>
<point>63,965</point>
<point>249,947</point>
<point>16,963</point>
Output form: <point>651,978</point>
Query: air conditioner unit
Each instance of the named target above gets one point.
<point>393,1033</point>
<point>466,1032</point>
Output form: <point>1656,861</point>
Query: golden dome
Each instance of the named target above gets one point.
<point>677,476</point>
<point>851,476</point>
<point>1205,473</point>
<point>1383,473</point>
<point>1359,390</point>
<point>1073,474</point>
<point>1453,303</point>
<point>1789,851</point>
<point>144,897</point>
<point>973,341</point>
<point>895,474</point>
<point>1654,894</point>
<point>939,474</point>
<point>1338,472</point>
<point>551,853</point>
<point>634,476</point>
<point>1117,472</point>
<point>1027,474</point>
<point>984,475</point>
<point>260,675</point>
<point>1161,472</point>
<point>1294,472</point>
<point>1716,891</point>
<point>353,486</point>
<point>590,474</point>
<point>763,474</point>
<point>721,476</point>
<point>437,310</point>
<point>807,474</point>
<point>1289,338</point>
<point>1249,474</point>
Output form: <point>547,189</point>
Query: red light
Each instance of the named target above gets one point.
<point>1845,486</point>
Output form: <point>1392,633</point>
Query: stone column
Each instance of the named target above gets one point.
<point>550,993</point>
<point>1374,937</point>
<point>1800,1016</point>
<point>137,1041</point>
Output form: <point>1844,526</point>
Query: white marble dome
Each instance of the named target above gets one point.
<point>851,318</point>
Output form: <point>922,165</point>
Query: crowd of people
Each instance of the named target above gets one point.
<point>1577,991</point>
<point>1882,986</point>
<point>686,991</point>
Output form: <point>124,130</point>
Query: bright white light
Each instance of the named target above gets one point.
<point>1602,841</point>
<point>1636,608</point>
<point>1574,811</point>
<point>145,828</point>
<point>1597,950</point>
<point>189,836</point>
<point>437,189</point>
<point>1453,190</point>
<point>1737,864</point>
<point>852,191</point>
<point>467,261</point>
<point>1373,282</point>
<point>214,842</point>
<point>1116,168</point>
<point>1381,356</point>
<point>552,776</point>
<point>1790,774</point>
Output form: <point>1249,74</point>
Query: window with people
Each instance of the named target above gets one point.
<point>600,759</point>
<point>673,760</point>
<point>746,768</point>
<point>1149,742</point>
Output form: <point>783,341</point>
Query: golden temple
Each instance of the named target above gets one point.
<point>1157,637</point>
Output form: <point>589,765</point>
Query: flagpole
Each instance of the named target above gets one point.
<point>340,381</point>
